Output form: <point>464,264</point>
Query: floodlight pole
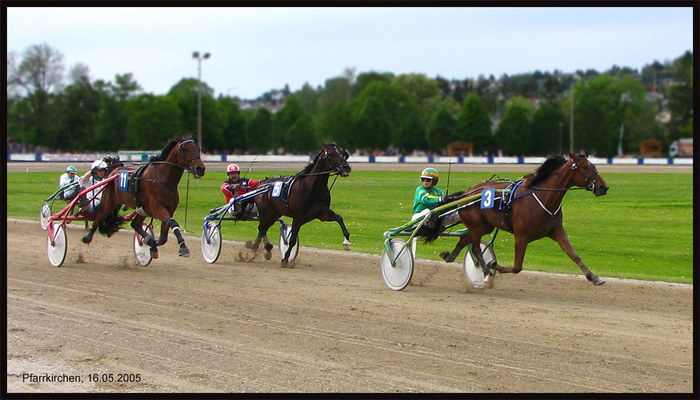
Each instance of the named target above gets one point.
<point>199,94</point>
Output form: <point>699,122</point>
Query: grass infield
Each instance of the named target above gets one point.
<point>642,229</point>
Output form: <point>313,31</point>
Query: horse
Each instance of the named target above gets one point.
<point>309,198</point>
<point>533,213</point>
<point>155,194</point>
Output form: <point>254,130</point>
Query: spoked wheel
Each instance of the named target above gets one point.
<point>285,234</point>
<point>57,250</point>
<point>44,214</point>
<point>397,276</point>
<point>142,251</point>
<point>211,242</point>
<point>474,272</point>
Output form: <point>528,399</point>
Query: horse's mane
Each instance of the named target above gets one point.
<point>311,164</point>
<point>544,171</point>
<point>167,149</point>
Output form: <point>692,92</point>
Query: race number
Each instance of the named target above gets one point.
<point>123,180</point>
<point>487,197</point>
<point>277,189</point>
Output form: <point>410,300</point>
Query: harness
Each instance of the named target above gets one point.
<point>506,205</point>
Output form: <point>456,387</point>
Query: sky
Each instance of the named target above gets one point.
<point>257,49</point>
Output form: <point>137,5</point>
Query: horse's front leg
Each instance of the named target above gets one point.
<point>559,234</point>
<point>329,215</point>
<point>183,251</point>
<point>520,248</point>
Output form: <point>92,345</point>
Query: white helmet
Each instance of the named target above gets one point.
<point>232,168</point>
<point>98,164</point>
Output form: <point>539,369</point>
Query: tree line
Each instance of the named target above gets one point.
<point>524,114</point>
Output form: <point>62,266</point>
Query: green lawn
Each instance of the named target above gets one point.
<point>642,229</point>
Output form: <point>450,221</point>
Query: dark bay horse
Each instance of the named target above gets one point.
<point>156,194</point>
<point>535,211</point>
<point>309,198</point>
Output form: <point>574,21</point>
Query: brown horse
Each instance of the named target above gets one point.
<point>308,198</point>
<point>535,211</point>
<point>156,194</point>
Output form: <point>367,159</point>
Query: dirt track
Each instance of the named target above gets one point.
<point>328,325</point>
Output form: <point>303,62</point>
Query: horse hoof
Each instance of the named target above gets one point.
<point>154,254</point>
<point>183,252</point>
<point>86,240</point>
<point>286,264</point>
<point>249,244</point>
<point>347,245</point>
<point>268,255</point>
<point>597,281</point>
<point>489,279</point>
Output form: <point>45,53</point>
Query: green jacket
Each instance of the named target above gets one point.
<point>426,198</point>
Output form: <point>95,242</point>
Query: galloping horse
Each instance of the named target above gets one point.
<point>535,211</point>
<point>309,198</point>
<point>156,194</point>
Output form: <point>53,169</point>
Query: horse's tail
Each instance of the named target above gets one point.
<point>431,229</point>
<point>111,224</point>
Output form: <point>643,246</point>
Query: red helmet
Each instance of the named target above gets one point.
<point>232,168</point>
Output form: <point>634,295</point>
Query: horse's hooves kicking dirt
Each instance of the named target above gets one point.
<point>268,255</point>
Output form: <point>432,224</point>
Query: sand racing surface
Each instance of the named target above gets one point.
<point>101,323</point>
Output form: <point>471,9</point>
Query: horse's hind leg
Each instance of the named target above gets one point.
<point>329,215</point>
<point>150,241</point>
<point>450,257</point>
<point>559,234</point>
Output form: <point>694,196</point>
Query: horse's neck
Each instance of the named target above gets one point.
<point>170,172</point>
<point>319,172</point>
<point>560,181</point>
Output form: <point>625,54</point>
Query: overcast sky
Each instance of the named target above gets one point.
<point>254,50</point>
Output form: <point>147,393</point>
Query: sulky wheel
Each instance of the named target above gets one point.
<point>474,272</point>
<point>211,242</point>
<point>56,250</point>
<point>397,276</point>
<point>44,214</point>
<point>142,251</point>
<point>285,234</point>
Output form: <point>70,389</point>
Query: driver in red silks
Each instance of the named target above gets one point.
<point>236,186</point>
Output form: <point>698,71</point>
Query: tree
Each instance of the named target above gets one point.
<point>680,97</point>
<point>474,124</point>
<point>300,136</point>
<point>233,124</point>
<point>112,120</point>
<point>514,130</point>
<point>441,130</point>
<point>37,78</point>
<point>152,121</point>
<point>185,93</point>
<point>78,109</point>
<point>364,79</point>
<point>260,132</point>
<point>337,126</point>
<point>548,134</point>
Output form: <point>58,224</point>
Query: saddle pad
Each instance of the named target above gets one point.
<point>277,189</point>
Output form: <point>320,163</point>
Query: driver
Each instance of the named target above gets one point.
<point>235,186</point>
<point>92,199</point>
<point>66,179</point>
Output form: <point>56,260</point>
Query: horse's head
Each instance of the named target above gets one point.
<point>586,175</point>
<point>337,159</point>
<point>188,157</point>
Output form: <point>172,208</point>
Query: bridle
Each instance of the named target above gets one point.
<point>189,163</point>
<point>590,181</point>
<point>334,170</point>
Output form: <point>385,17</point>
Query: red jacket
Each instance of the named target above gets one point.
<point>246,185</point>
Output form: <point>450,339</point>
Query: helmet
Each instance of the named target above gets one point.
<point>232,168</point>
<point>98,164</point>
<point>430,173</point>
<point>71,169</point>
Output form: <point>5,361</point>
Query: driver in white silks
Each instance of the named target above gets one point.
<point>427,197</point>
<point>92,199</point>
